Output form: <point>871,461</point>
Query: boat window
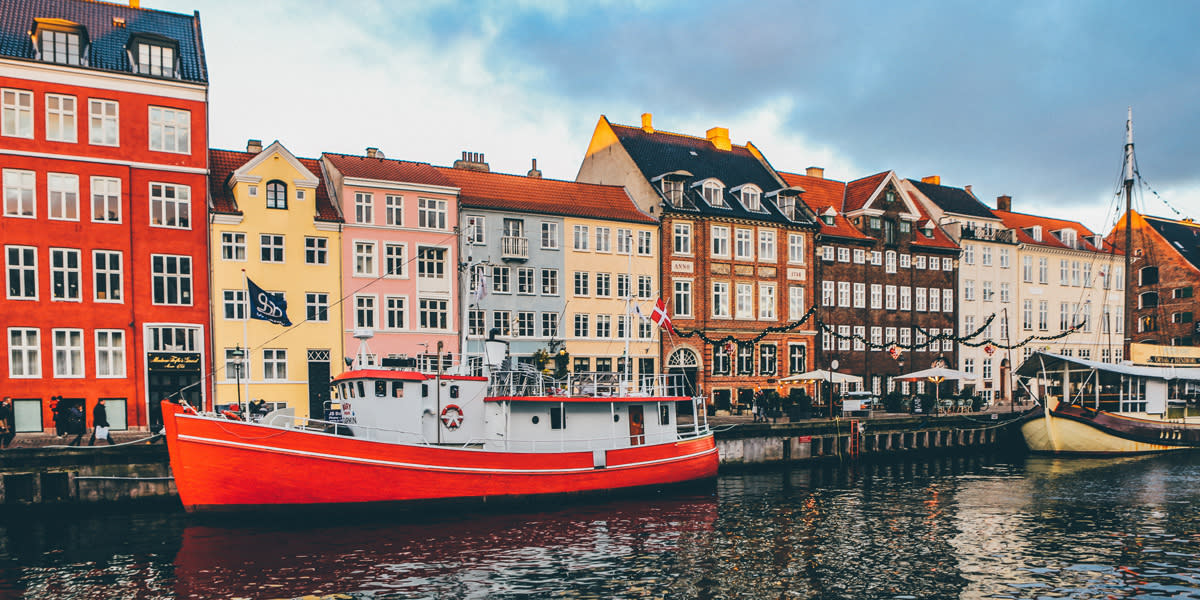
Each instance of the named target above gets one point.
<point>558,418</point>
<point>454,391</point>
<point>664,415</point>
<point>534,419</point>
<point>397,389</point>
<point>616,417</point>
<point>424,390</point>
<point>381,388</point>
<point>347,390</point>
<point>362,390</point>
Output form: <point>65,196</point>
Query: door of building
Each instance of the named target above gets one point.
<point>637,425</point>
<point>318,383</point>
<point>173,376</point>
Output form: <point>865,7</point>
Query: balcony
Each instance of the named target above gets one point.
<point>514,248</point>
<point>988,235</point>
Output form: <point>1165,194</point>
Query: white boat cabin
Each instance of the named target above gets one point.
<point>1126,389</point>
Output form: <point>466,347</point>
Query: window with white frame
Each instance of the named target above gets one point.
<point>62,196</point>
<point>860,256</point>
<point>1005,292</point>
<point>393,207</point>
<point>103,120</point>
<point>316,306</point>
<point>582,325</point>
<point>720,241</point>
<point>969,365</point>
<point>682,239</point>
<point>1005,256</point>
<point>1043,315</point>
<point>843,254</point>
<point>171,278</point>
<point>364,311</point>
<point>645,243</point>
<point>987,369</point>
<point>906,338</point>
<point>1027,269</point>
<point>603,326</point>
<point>876,296</point>
<point>751,198</point>
<point>234,303</point>
<point>270,248</point>
<point>935,299</point>
<point>877,336</point>
<point>713,194</point>
<point>155,59</point>
<point>968,289</point>
<point>525,281</point>
<point>766,301</point>
<point>743,244</point>
<point>947,300</point>
<point>364,207</point>
<point>604,285</point>
<point>624,285</point>
<point>682,299</point>
<point>843,342</point>
<point>745,359</point>
<point>476,234</point>
<point>24,353</point>
<point>860,335</point>
<point>393,312</point>
<point>766,245</point>
<point>476,322</point>
<point>828,297</point>
<point>170,205</point>
<point>796,248</point>
<point>60,118</point>
<point>170,130</point>
<point>905,297</point>
<point>549,282</point>
<point>20,265</point>
<point>582,283</point>
<point>65,274</point>
<point>843,288</point>
<point>316,251</point>
<point>431,213</point>
<point>987,291</point>
<point>624,241</point>
<point>581,235</point>
<point>603,239</point>
<point>860,295</point>
<point>890,260</point>
<point>919,304</point>
<point>797,358</point>
<point>110,353</point>
<point>876,258</point>
<point>645,329</point>
<point>827,253</point>
<point>431,262</point>
<point>16,113</point>
<point>645,289</point>
<point>919,260</point>
<point>20,198</point>
<point>236,367</point>
<point>68,353</point>
<point>526,323</point>
<point>435,313</point>
<point>935,263</point>
<point>549,325</point>
<point>107,273</point>
<point>549,235</point>
<point>906,261</point>
<point>889,297</point>
<point>767,360</point>
<point>394,260</point>
<point>274,364</point>
<point>720,299</point>
<point>106,200</point>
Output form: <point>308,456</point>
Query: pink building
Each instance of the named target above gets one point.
<point>399,252</point>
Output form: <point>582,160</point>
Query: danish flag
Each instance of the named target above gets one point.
<point>661,317</point>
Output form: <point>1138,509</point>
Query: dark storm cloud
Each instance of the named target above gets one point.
<point>1020,98</point>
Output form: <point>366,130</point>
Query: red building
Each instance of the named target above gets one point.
<point>103,146</point>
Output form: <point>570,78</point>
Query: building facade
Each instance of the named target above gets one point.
<point>735,249</point>
<point>272,222</point>
<point>886,277</point>
<point>987,280</point>
<point>1164,277</point>
<point>399,258</point>
<point>104,150</point>
<point>564,264</point>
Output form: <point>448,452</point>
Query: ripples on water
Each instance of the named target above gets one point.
<point>946,528</point>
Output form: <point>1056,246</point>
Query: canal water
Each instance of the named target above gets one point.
<point>960,527</point>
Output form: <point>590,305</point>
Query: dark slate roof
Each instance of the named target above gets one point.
<point>1183,236</point>
<point>222,164</point>
<point>108,40</point>
<point>662,152</point>
<point>953,200</point>
<point>520,193</point>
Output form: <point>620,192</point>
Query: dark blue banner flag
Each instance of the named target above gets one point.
<point>266,306</point>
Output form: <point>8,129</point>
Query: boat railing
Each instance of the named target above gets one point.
<point>611,442</point>
<point>364,432</point>
<point>592,384</point>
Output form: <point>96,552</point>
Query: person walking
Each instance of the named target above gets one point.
<point>75,423</point>
<point>8,428</point>
<point>100,426</point>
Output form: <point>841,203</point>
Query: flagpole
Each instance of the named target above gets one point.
<point>245,335</point>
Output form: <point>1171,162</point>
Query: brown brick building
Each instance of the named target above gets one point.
<point>886,275</point>
<point>736,252</point>
<point>1163,279</point>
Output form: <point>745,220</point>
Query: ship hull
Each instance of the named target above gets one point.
<point>1071,430</point>
<point>226,465</point>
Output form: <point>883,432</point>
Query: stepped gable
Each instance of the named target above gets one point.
<point>108,39</point>
<point>1184,236</point>
<point>660,152</point>
<point>387,169</point>
<point>525,194</point>
<point>820,195</point>
<point>953,200</point>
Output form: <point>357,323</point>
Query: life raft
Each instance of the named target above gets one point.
<point>452,416</point>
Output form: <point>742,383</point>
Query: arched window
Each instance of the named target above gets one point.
<point>276,194</point>
<point>683,358</point>
<point>714,193</point>
<point>1148,276</point>
<point>1148,300</point>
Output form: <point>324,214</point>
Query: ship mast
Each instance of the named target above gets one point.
<point>1129,174</point>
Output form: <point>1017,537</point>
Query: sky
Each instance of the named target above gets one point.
<point>1024,98</point>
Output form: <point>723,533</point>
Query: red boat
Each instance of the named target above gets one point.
<point>405,436</point>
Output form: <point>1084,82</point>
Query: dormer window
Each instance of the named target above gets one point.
<point>672,189</point>
<point>1036,233</point>
<point>787,206</point>
<point>750,198</point>
<point>927,229</point>
<point>828,216</point>
<point>828,219</point>
<point>1067,236</point>
<point>153,55</point>
<point>276,194</point>
<point>60,41</point>
<point>713,193</point>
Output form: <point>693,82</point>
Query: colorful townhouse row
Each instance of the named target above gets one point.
<point>129,243</point>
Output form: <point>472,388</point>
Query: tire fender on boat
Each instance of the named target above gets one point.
<point>452,416</point>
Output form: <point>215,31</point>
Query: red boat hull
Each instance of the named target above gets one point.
<point>222,465</point>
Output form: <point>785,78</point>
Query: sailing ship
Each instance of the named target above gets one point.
<point>397,435</point>
<point>1092,407</point>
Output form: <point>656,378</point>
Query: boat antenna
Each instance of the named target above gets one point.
<point>1129,175</point>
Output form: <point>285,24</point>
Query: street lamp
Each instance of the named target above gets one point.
<point>237,355</point>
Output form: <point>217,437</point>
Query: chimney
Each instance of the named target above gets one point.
<point>374,153</point>
<point>534,172</point>
<point>647,122</point>
<point>253,146</point>
<point>719,136</point>
<point>818,172</point>
<point>135,3</point>
<point>968,188</point>
<point>1004,203</point>
<point>472,161</point>
<point>934,179</point>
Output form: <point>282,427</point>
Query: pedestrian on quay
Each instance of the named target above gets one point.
<point>100,426</point>
<point>60,416</point>
<point>8,429</point>
<point>75,424</point>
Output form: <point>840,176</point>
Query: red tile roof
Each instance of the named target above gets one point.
<point>222,164</point>
<point>859,191</point>
<point>939,239</point>
<point>385,169</point>
<point>543,196</point>
<point>1021,221</point>
<point>820,194</point>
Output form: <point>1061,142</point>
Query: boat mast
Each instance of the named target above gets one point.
<point>1128,167</point>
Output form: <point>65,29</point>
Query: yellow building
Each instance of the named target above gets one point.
<point>271,220</point>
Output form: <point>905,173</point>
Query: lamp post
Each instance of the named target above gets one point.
<point>238,354</point>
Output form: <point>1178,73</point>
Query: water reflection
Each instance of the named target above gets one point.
<point>945,528</point>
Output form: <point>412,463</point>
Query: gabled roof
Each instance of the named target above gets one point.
<point>501,191</point>
<point>1183,236</point>
<point>222,164</point>
<point>939,239</point>
<point>953,200</point>
<point>108,38</point>
<point>1021,223</point>
<point>821,194</point>
<point>860,191</point>
<point>658,152</point>
<point>386,169</point>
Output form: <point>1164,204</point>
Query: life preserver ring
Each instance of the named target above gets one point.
<point>452,416</point>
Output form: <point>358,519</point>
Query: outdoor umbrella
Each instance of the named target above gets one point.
<point>829,377</point>
<point>936,375</point>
